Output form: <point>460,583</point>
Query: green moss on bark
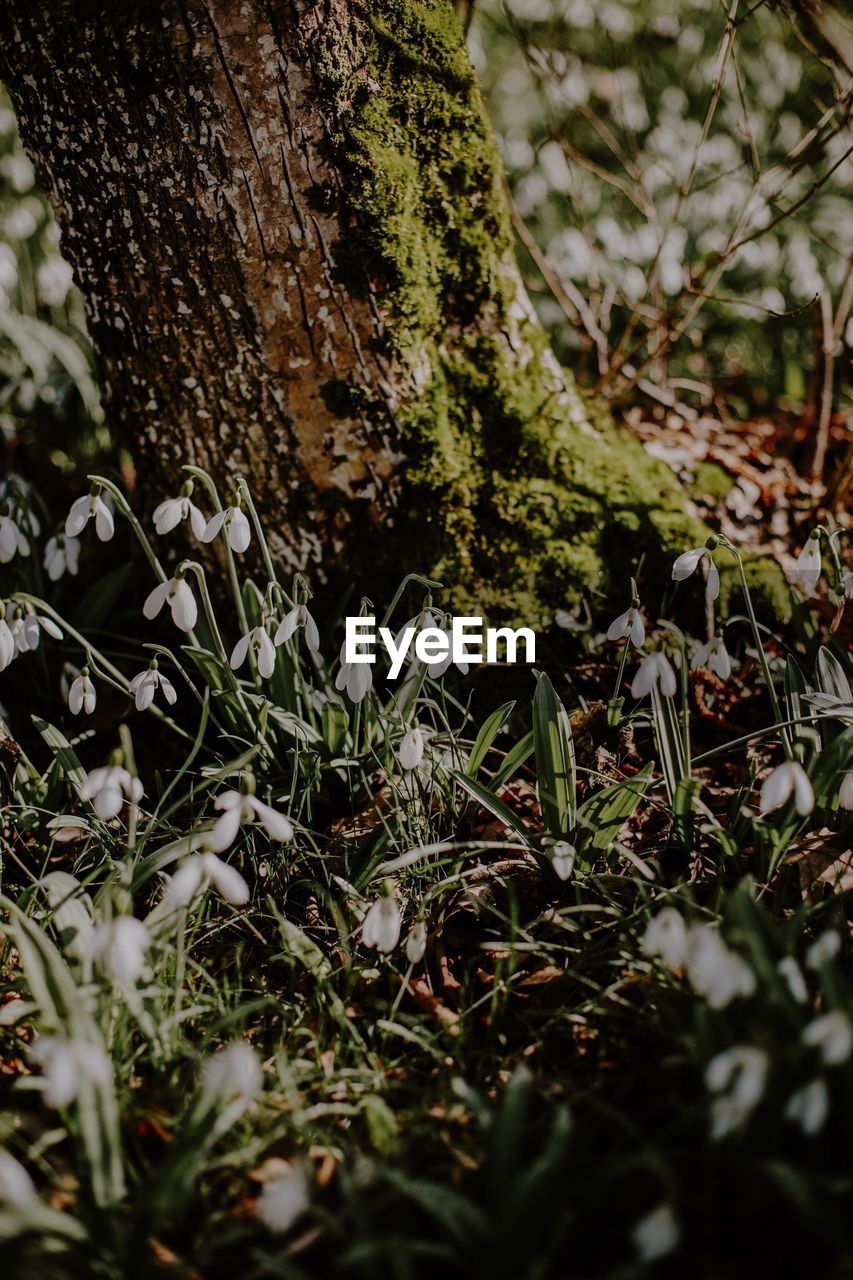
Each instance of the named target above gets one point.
<point>515,492</point>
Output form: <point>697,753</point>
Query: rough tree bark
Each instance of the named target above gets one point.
<point>288,223</point>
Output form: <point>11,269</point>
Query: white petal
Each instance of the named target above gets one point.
<point>104,523</point>
<point>107,803</point>
<point>156,599</point>
<point>712,586</point>
<point>239,531</point>
<point>184,609</point>
<point>185,883</point>
<point>776,788</point>
<point>644,679</point>
<point>77,517</point>
<point>312,635</point>
<point>214,524</point>
<point>72,555</point>
<point>238,655</point>
<point>287,626</point>
<point>224,831</point>
<point>416,943</point>
<point>359,680</point>
<point>276,825</point>
<point>803,793</point>
<point>721,663</point>
<point>686,564</point>
<point>228,800</point>
<point>619,627</point>
<point>169,691</point>
<point>266,656</point>
<point>412,748</point>
<point>90,698</point>
<point>75,697</point>
<point>198,523</point>
<point>666,676</point>
<point>145,691</point>
<point>229,884</point>
<point>168,515</point>
<point>637,630</point>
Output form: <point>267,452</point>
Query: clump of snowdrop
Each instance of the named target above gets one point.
<point>809,1107</point>
<point>261,646</point>
<point>201,870</point>
<point>13,540</point>
<point>122,944</point>
<point>655,671</point>
<point>299,619</point>
<point>82,695</point>
<point>177,593</point>
<point>381,927</point>
<point>65,1064</point>
<point>787,779</point>
<point>233,523</point>
<point>715,971</point>
<point>61,556</point>
<point>169,514</point>
<point>242,807</point>
<point>689,561</point>
<point>713,656</point>
<point>284,1199</point>
<point>411,751</point>
<point>90,506</point>
<point>739,1075</point>
<point>144,685</point>
<point>807,570</point>
<point>108,788</point>
<point>832,1035</point>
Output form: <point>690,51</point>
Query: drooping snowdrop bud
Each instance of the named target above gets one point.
<point>233,1074</point>
<point>845,791</point>
<point>82,511</point>
<point>299,618</point>
<point>107,789</point>
<point>122,943</point>
<point>666,938</point>
<point>656,1235</point>
<point>65,1064</point>
<point>809,1107</point>
<point>416,942</point>
<point>563,857</point>
<point>411,750</point>
<point>82,695</point>
<point>793,975</point>
<point>262,647</point>
<point>688,562</point>
<point>656,669</point>
<point>233,522</point>
<point>178,594</point>
<point>381,927</point>
<point>283,1200</point>
<point>787,779</point>
<point>715,971</point>
<point>832,1035</point>
<point>807,570</point>
<point>169,514</point>
<point>238,808</point>
<point>629,625</point>
<point>16,1185</point>
<point>61,556</point>
<point>714,656</point>
<point>12,540</point>
<point>742,1072</point>
<point>145,685</point>
<point>27,629</point>
<point>199,871</point>
<point>356,678</point>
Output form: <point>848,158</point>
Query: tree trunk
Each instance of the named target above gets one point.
<point>287,220</point>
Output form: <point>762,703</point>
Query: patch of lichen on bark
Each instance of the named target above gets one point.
<point>508,494</point>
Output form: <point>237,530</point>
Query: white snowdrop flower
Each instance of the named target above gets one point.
<point>809,1107</point>
<point>416,942</point>
<point>356,678</point>
<point>169,514</point>
<point>656,1234</point>
<point>689,561</point>
<point>16,1185</point>
<point>61,556</point>
<point>8,648</point>
<point>82,511</point>
<point>563,857</point>
<point>178,594</point>
<point>235,525</point>
<point>628,625</point>
<point>283,1200</point>
<point>793,975</point>
<point>82,695</point>
<point>715,971</point>
<point>239,808</point>
<point>656,669</point>
<point>233,1074</point>
<point>421,621</point>
<point>845,791</point>
<point>13,541</point>
<point>144,685</point>
<point>787,779</point>
<point>200,870</point>
<point>65,1064</point>
<point>807,570</point>
<point>54,278</point>
<point>832,1034</point>
<point>742,1072</point>
<point>826,948</point>
<point>435,670</point>
<point>714,656</point>
<point>108,787</point>
<point>381,927</point>
<point>122,943</point>
<point>299,619</point>
<point>26,631</point>
<point>262,647</point>
<point>666,938</point>
<point>411,750</point>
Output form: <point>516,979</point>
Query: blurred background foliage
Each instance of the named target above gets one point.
<point>679,183</point>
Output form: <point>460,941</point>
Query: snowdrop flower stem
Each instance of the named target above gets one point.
<point>123,506</point>
<point>230,562</point>
<point>756,635</point>
<point>243,490</point>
